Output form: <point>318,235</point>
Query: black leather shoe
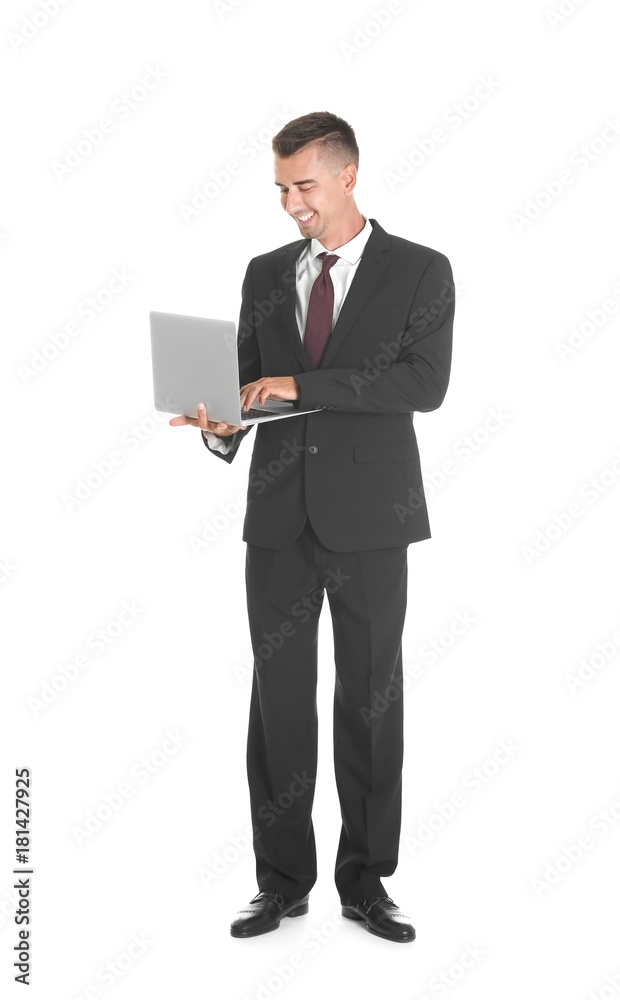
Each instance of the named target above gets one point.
<point>264,913</point>
<point>382,917</point>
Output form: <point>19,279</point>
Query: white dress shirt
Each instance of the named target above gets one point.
<point>308,270</point>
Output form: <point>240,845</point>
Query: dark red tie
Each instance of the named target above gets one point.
<point>320,312</point>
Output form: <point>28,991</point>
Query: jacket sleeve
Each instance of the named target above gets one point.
<point>249,367</point>
<point>418,377</point>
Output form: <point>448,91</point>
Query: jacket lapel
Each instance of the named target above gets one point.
<point>370,268</point>
<point>286,273</point>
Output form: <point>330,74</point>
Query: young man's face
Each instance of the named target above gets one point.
<point>311,194</point>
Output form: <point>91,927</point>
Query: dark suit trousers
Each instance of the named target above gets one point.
<point>367,594</point>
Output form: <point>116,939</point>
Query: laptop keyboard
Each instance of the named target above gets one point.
<point>253,412</point>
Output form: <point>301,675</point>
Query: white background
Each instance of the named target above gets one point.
<point>524,541</point>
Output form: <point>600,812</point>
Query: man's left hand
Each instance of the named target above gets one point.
<point>278,387</point>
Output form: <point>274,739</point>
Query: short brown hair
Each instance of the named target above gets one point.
<point>334,137</point>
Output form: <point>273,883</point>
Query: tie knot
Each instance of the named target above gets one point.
<point>327,259</point>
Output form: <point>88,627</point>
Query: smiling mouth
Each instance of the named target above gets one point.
<point>304,220</point>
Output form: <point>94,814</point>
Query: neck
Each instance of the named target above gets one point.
<point>346,231</point>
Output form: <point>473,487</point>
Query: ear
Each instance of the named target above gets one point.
<point>348,177</point>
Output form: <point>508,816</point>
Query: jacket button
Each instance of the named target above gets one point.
<point>313,449</point>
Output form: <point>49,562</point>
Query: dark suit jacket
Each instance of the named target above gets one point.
<point>352,466</point>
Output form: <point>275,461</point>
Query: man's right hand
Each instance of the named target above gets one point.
<point>223,430</point>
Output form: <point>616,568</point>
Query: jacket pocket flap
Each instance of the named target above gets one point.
<point>384,451</point>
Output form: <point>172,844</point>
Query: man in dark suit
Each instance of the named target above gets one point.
<point>356,325</point>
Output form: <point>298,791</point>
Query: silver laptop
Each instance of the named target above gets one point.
<point>195,361</point>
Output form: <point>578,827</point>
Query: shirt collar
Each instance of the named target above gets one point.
<point>351,251</point>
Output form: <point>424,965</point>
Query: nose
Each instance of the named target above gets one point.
<point>294,203</point>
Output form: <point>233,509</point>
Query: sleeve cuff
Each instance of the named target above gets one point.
<point>215,443</point>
